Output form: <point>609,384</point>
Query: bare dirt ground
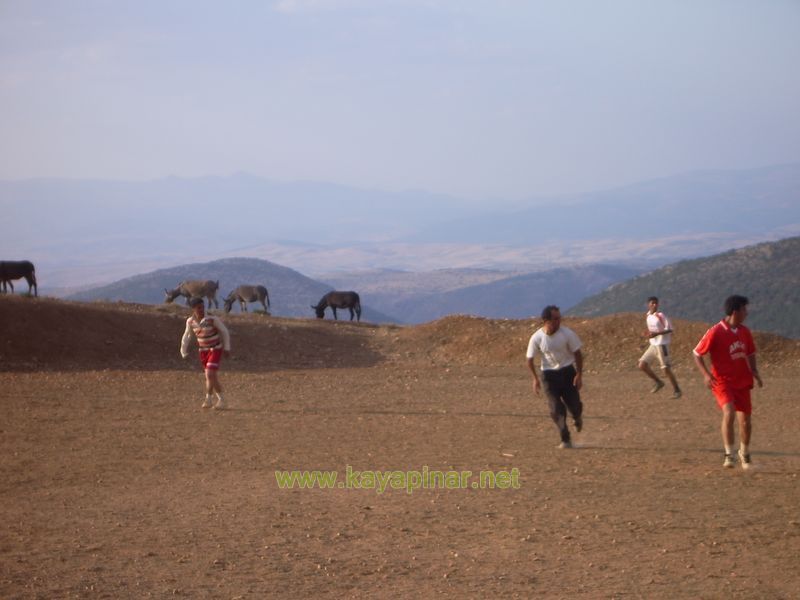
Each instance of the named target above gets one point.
<point>115,483</point>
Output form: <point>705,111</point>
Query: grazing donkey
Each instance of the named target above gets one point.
<point>245,294</point>
<point>339,300</point>
<point>17,269</point>
<point>198,288</point>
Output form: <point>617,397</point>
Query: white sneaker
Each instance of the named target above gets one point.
<point>206,403</point>
<point>564,445</point>
<point>745,460</point>
<point>220,405</point>
<point>729,462</point>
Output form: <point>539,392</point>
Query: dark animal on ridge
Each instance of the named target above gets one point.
<point>194,289</point>
<point>336,300</point>
<point>17,269</point>
<point>245,294</point>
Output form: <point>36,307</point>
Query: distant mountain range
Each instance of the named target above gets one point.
<point>768,274</point>
<point>291,293</point>
<point>740,202</point>
<point>81,232</point>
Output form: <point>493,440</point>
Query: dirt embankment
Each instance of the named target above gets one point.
<point>50,334</point>
<point>613,342</point>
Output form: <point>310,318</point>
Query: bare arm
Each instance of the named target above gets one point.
<point>537,385</point>
<point>701,366</point>
<point>578,381</point>
<point>652,334</point>
<point>751,360</point>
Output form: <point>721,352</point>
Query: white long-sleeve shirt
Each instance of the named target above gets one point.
<point>210,332</point>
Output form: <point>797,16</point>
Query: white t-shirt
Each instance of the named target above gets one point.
<point>557,350</point>
<point>656,322</point>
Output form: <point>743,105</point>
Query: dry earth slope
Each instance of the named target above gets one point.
<point>49,334</point>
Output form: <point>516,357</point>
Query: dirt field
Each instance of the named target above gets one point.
<point>115,483</point>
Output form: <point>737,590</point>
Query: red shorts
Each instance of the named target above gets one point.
<point>211,358</point>
<point>740,398</point>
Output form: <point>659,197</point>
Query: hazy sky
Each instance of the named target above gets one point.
<point>498,98</point>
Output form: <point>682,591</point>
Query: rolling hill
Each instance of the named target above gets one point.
<point>768,274</point>
<point>420,297</point>
<point>291,293</point>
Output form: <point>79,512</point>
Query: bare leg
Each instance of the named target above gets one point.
<point>212,382</point>
<point>672,379</point>
<point>648,371</point>
<point>728,412</point>
<point>745,427</point>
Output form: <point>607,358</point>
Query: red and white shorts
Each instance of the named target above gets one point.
<point>211,358</point>
<point>739,397</point>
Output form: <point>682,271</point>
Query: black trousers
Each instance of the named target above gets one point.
<point>562,396</point>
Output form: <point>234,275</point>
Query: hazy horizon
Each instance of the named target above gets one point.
<point>479,101</point>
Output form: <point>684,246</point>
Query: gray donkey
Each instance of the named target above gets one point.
<point>198,288</point>
<point>245,294</point>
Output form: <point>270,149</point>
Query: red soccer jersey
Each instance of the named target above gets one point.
<point>729,350</point>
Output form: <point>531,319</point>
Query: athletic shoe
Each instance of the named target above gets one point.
<point>220,405</point>
<point>578,424</point>
<point>729,462</point>
<point>564,445</point>
<point>657,387</point>
<point>745,460</point>
<point>206,403</point>
<point>677,394</point>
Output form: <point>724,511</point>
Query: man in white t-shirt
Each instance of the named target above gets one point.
<point>659,332</point>
<point>562,366</point>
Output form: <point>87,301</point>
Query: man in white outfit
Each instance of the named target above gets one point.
<point>659,333</point>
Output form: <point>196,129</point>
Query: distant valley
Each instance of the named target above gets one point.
<point>768,273</point>
<point>83,232</point>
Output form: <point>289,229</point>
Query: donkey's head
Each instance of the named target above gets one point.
<point>229,301</point>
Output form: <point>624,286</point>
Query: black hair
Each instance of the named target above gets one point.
<point>196,301</point>
<point>734,303</point>
<point>547,313</point>
<point>652,299</point>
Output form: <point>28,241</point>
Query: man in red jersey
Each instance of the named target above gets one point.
<point>733,369</point>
